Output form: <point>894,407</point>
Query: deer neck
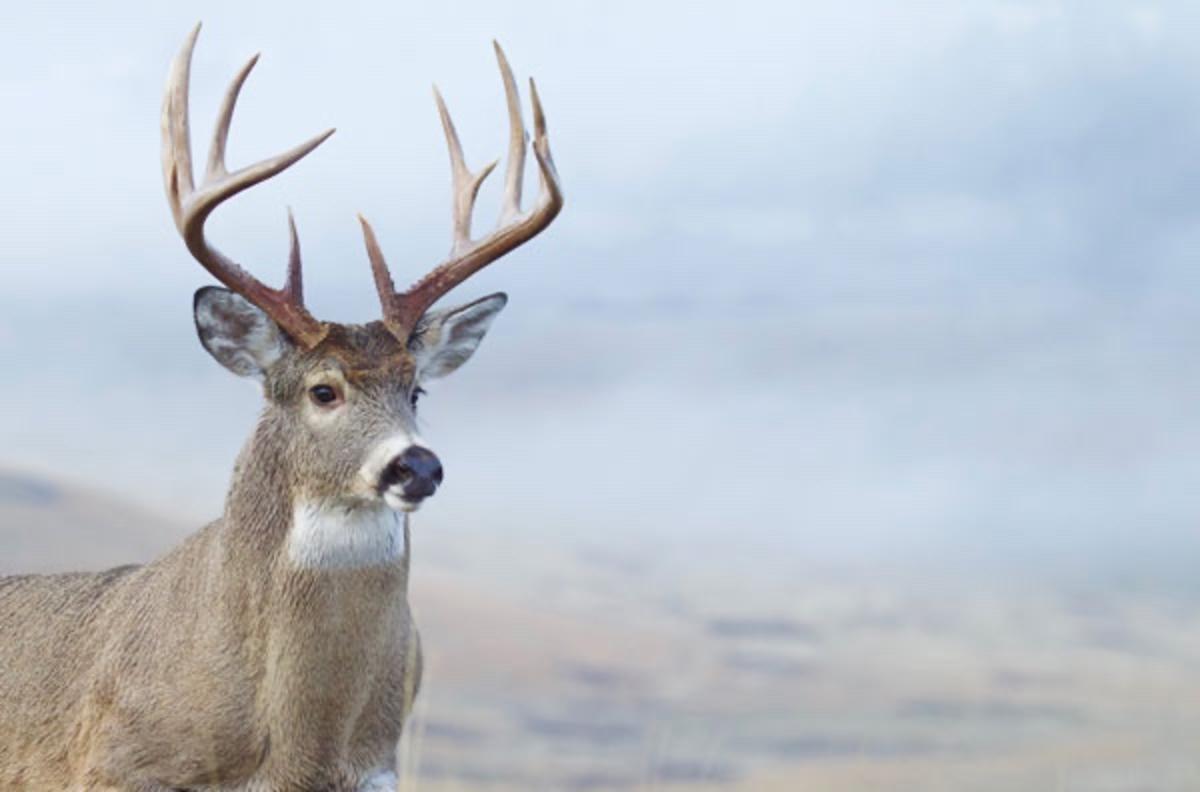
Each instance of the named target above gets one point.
<point>269,515</point>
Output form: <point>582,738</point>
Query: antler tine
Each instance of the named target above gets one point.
<point>177,146</point>
<point>293,285</point>
<point>549,190</point>
<point>191,206</point>
<point>517,139</point>
<point>466,184</point>
<point>402,311</point>
<point>379,269</point>
<point>216,149</point>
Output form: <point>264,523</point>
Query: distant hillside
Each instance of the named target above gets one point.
<point>549,667</point>
<point>47,526</point>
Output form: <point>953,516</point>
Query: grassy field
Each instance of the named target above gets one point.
<point>560,668</point>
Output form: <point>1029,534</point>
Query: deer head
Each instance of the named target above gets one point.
<point>341,397</point>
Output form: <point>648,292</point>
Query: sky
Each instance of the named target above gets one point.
<point>854,283</point>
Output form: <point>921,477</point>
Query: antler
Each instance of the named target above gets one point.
<point>402,310</point>
<point>191,206</point>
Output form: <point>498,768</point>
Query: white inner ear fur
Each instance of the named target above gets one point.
<point>241,337</point>
<point>450,337</point>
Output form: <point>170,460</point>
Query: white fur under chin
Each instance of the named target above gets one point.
<point>394,498</point>
<point>379,781</point>
<point>345,535</point>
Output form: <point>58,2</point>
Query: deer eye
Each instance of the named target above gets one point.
<point>417,393</point>
<point>325,395</point>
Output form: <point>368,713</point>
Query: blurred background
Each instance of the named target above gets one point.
<point>840,434</point>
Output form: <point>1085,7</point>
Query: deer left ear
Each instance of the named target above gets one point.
<point>238,334</point>
<point>446,339</point>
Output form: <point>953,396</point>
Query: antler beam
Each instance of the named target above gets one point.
<point>402,310</point>
<point>191,205</point>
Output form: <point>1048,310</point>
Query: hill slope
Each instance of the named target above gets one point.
<point>550,668</point>
<point>47,526</point>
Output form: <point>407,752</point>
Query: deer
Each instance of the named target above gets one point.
<point>274,650</point>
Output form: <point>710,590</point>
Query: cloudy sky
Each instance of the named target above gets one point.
<point>854,282</point>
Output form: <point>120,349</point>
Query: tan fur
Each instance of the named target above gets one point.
<point>222,665</point>
<point>226,664</point>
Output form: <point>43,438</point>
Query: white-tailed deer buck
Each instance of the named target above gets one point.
<point>274,649</point>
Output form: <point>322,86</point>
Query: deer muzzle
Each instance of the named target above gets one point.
<point>413,475</point>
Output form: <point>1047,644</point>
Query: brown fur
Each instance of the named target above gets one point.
<point>237,661</point>
<point>223,664</point>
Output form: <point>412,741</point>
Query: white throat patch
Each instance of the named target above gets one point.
<point>335,535</point>
<point>379,781</point>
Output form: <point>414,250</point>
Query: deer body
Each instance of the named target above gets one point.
<point>233,661</point>
<point>274,650</point>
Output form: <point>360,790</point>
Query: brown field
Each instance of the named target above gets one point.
<point>562,669</point>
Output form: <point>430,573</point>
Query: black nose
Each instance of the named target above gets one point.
<point>417,471</point>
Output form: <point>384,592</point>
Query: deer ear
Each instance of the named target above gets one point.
<point>239,335</point>
<point>446,339</point>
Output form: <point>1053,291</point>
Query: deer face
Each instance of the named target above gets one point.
<point>341,399</point>
<point>345,410</point>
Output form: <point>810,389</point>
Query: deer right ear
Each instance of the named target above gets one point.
<point>238,334</point>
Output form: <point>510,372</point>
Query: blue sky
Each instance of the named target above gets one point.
<point>838,281</point>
